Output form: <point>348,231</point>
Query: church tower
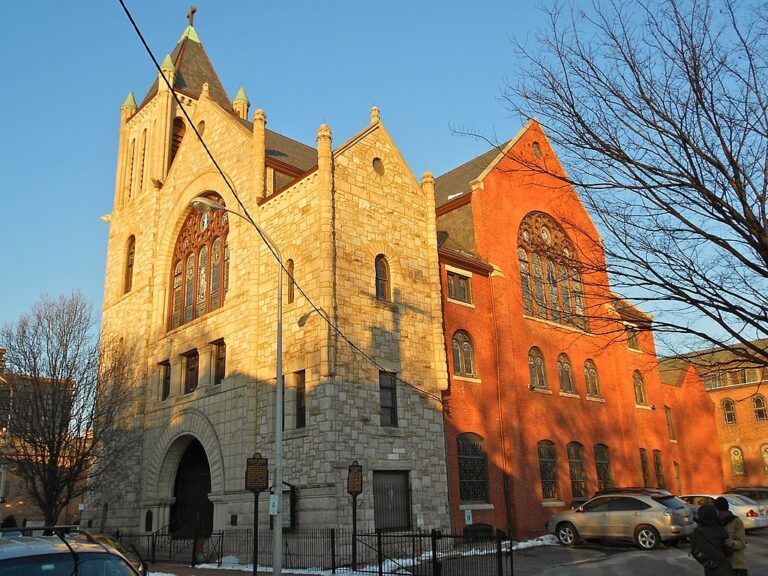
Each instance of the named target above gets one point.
<point>195,296</point>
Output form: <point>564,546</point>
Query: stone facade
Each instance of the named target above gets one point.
<point>331,217</point>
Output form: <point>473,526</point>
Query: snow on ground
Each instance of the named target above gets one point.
<point>233,563</point>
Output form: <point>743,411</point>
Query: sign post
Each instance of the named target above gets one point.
<point>256,481</point>
<point>354,489</point>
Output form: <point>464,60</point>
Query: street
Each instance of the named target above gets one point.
<point>626,560</point>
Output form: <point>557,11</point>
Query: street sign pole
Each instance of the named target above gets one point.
<point>256,481</point>
<point>354,489</point>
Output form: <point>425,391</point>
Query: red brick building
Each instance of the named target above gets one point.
<point>737,396</point>
<point>554,388</point>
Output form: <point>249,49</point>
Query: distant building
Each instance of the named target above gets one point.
<point>554,390</point>
<point>737,390</point>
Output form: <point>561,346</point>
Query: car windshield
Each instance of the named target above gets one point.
<point>670,502</point>
<point>64,565</point>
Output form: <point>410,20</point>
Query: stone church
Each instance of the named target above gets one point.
<point>196,296</point>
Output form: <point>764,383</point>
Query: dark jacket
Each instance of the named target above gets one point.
<point>709,537</point>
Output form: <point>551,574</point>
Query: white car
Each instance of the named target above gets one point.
<point>751,513</point>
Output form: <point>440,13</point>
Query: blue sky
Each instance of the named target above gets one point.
<point>68,66</point>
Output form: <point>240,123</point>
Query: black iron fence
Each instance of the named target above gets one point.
<point>433,553</point>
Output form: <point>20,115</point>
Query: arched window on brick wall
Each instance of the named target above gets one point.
<point>737,461</point>
<point>473,468</point>
<point>565,374</point>
<point>463,354</point>
<point>591,380</point>
<point>603,467</point>
<point>199,269</point>
<point>729,411</point>
<point>758,406</point>
<point>536,369</point>
<point>550,274</point>
<point>576,468</point>
<point>639,386</point>
<point>548,470</point>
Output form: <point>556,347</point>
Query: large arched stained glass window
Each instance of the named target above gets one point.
<point>546,255</point>
<point>199,270</point>
<point>590,377</point>
<point>463,355</point>
<point>576,468</point>
<point>548,471</point>
<point>603,467</point>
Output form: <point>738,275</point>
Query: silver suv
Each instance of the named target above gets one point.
<point>645,516</point>
<point>55,556</point>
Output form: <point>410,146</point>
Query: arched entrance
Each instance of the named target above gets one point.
<point>192,512</point>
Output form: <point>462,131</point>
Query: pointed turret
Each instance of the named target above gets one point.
<point>192,69</point>
<point>168,70</point>
<point>128,108</point>
<point>241,104</point>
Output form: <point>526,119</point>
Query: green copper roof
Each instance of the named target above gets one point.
<point>241,96</point>
<point>130,102</point>
<point>191,34</point>
<point>167,63</point>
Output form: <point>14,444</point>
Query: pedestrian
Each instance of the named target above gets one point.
<point>737,539</point>
<point>708,543</point>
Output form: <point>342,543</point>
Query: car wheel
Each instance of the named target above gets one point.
<point>647,537</point>
<point>567,534</point>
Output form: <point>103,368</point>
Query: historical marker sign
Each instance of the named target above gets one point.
<point>355,479</point>
<point>257,474</point>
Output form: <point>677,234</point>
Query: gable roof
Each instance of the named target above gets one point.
<point>456,182</point>
<point>193,68</point>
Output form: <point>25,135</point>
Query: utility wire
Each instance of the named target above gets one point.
<point>266,241</point>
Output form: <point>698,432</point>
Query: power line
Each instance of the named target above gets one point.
<point>314,307</point>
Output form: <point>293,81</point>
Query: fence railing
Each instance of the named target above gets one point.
<point>432,553</point>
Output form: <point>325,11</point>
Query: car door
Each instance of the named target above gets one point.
<point>625,514</point>
<point>593,518</point>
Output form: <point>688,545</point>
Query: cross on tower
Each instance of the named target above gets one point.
<point>191,15</point>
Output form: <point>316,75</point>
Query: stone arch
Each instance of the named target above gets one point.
<point>181,429</point>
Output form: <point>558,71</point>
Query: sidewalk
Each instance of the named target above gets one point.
<point>181,570</point>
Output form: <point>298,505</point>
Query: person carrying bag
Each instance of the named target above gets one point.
<point>709,543</point>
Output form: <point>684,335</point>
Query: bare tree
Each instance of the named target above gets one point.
<point>659,112</point>
<point>64,394</point>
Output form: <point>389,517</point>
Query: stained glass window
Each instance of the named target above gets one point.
<point>658,467</point>
<point>590,377</point>
<point>536,369</point>
<point>198,272</point>
<point>473,468</point>
<point>576,467</point>
<point>525,281</point>
<point>644,468</point>
<point>557,293</point>
<point>737,461</point>
<point>565,374</point>
<point>603,467</point>
<point>548,470</point>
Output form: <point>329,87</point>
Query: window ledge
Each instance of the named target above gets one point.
<point>569,395</point>
<point>478,506</point>
<point>391,431</point>
<point>467,379</point>
<point>635,350</point>
<point>540,390</point>
<point>552,503</point>
<point>596,399</point>
<point>566,327</point>
<point>461,303</point>
<point>672,441</point>
<point>644,407</point>
<point>295,433</point>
